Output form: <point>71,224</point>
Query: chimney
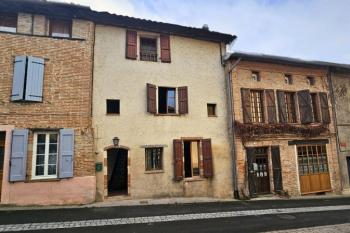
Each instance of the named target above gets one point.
<point>205,27</point>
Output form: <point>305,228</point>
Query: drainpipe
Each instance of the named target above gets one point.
<point>335,123</point>
<point>231,129</point>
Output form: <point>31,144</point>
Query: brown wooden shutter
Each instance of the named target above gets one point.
<point>207,158</point>
<point>271,106</point>
<point>324,108</point>
<point>305,107</point>
<point>281,106</point>
<point>183,100</point>
<point>276,167</point>
<point>151,98</point>
<point>131,44</point>
<point>247,115</point>
<point>165,48</point>
<point>250,153</point>
<point>178,160</point>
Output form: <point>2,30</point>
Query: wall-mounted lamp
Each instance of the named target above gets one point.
<point>116,141</point>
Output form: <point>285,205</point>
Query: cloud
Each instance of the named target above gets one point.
<point>313,29</point>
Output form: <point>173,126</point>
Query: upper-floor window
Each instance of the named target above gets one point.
<point>113,106</point>
<point>315,110</point>
<point>288,79</point>
<point>8,23</point>
<point>289,98</point>
<point>310,80</point>
<point>257,108</point>
<point>166,100</point>
<point>255,76</point>
<point>148,49</point>
<point>60,28</point>
<point>211,108</point>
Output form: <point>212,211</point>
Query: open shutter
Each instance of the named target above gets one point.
<point>131,44</point>
<point>66,153</point>
<point>247,116</point>
<point>165,48</point>
<point>178,160</point>
<point>19,75</point>
<point>207,158</point>
<point>276,167</point>
<point>271,106</point>
<point>35,79</point>
<point>151,98</point>
<point>18,159</point>
<point>281,107</point>
<point>324,108</point>
<point>251,180</point>
<point>183,100</point>
<point>305,107</point>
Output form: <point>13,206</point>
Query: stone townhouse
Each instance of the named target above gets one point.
<point>160,110</point>
<point>46,139</point>
<point>284,132</point>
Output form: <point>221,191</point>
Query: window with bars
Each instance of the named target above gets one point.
<point>148,49</point>
<point>154,158</point>
<point>289,98</point>
<point>312,159</point>
<point>256,106</point>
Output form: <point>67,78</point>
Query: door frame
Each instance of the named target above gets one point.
<point>5,189</point>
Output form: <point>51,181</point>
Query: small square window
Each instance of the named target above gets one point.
<point>148,49</point>
<point>113,106</point>
<point>310,80</point>
<point>154,159</point>
<point>60,28</point>
<point>211,109</point>
<point>8,23</point>
<point>255,76</point>
<point>288,79</point>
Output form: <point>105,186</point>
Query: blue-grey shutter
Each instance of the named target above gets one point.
<point>18,159</point>
<point>35,79</point>
<point>19,74</point>
<point>66,153</point>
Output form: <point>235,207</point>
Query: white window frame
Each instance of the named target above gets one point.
<point>46,160</point>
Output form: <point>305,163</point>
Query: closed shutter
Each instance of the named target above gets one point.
<point>66,153</point>
<point>165,48</point>
<point>19,75</point>
<point>281,107</point>
<point>324,108</point>
<point>276,167</point>
<point>183,100</point>
<point>35,79</point>
<point>305,107</point>
<point>131,44</point>
<point>247,116</point>
<point>151,98</point>
<point>271,106</point>
<point>251,179</point>
<point>178,160</point>
<point>18,159</point>
<point>207,158</point>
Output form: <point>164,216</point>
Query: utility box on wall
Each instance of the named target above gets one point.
<point>99,167</point>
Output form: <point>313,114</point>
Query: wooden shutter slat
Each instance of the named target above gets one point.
<point>178,160</point>
<point>246,105</point>
<point>271,106</point>
<point>151,98</point>
<point>276,166</point>
<point>281,107</point>
<point>324,108</point>
<point>305,106</point>
<point>18,158</point>
<point>207,158</point>
<point>165,48</point>
<point>183,100</point>
<point>131,44</point>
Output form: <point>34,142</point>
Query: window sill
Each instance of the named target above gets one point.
<point>45,36</point>
<point>44,179</point>
<point>212,116</point>
<point>167,114</point>
<point>112,114</point>
<point>154,172</point>
<point>194,179</point>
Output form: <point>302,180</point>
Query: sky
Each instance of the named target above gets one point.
<point>307,29</point>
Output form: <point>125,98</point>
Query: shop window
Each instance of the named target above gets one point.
<point>312,159</point>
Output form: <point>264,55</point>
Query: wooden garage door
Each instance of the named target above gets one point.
<point>313,169</point>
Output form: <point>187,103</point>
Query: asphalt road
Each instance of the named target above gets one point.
<point>252,223</point>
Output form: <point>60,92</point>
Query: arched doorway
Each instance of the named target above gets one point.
<point>117,171</point>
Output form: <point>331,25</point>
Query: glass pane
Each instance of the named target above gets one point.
<point>52,158</point>
<point>311,169</point>
<point>40,149</point>
<point>52,170</point>
<point>325,167</point>
<point>53,148</point>
<point>40,159</point>
<point>41,138</point>
<point>53,138</point>
<point>39,171</point>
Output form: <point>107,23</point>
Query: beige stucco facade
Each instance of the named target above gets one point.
<point>195,64</point>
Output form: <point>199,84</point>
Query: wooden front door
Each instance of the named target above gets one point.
<point>313,169</point>
<point>2,153</point>
<point>258,171</point>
